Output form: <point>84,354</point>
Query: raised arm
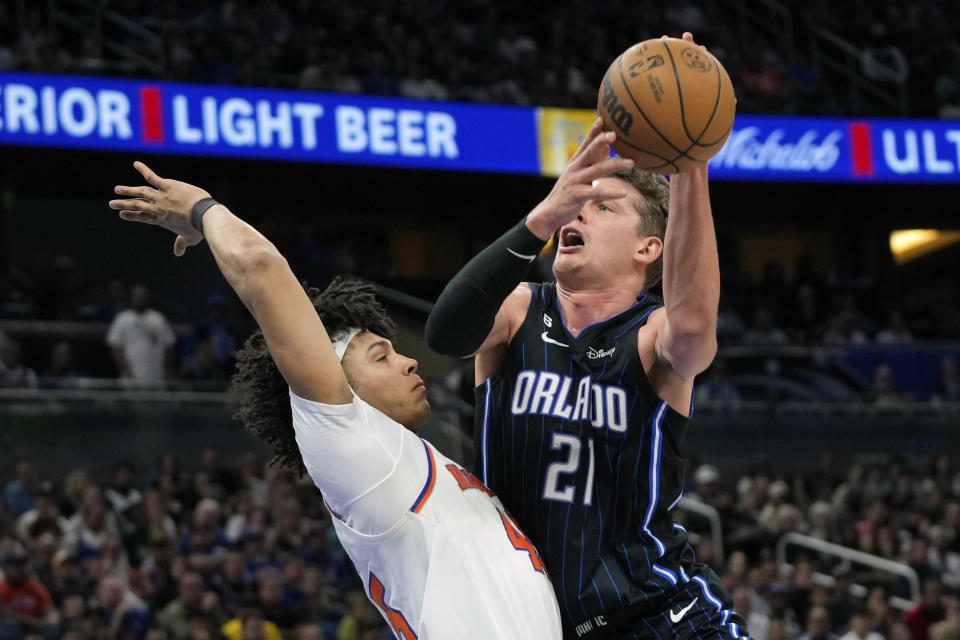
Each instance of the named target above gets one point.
<point>481,307</point>
<point>687,339</point>
<point>258,273</point>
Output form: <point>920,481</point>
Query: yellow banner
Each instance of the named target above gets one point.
<point>559,133</point>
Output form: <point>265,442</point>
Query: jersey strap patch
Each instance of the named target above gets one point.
<point>398,622</point>
<point>467,480</point>
<point>431,480</point>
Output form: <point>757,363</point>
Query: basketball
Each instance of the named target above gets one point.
<point>670,103</point>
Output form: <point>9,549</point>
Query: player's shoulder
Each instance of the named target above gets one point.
<point>519,299</point>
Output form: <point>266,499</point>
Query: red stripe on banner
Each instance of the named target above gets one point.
<point>861,149</point>
<point>152,114</point>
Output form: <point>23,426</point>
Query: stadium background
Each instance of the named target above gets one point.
<point>829,416</point>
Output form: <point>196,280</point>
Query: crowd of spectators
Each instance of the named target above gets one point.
<point>778,309</point>
<point>482,51</point>
<point>902,510</point>
<point>213,552</point>
<point>246,551</point>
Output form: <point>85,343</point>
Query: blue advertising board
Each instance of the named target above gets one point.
<point>139,116</point>
<point>161,117</point>
<point>839,150</point>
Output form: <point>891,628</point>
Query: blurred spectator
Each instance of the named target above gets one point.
<point>62,372</point>
<point>223,479</point>
<point>122,495</point>
<point>883,61</point>
<point>270,600</point>
<point>860,628</point>
<point>821,524</point>
<point>818,625</point>
<point>717,387</point>
<point>91,529</point>
<point>22,597</point>
<point>359,612</point>
<point>17,492</point>
<point>214,333</point>
<point>189,603</point>
<point>141,341</point>
<point>308,631</point>
<point>205,545</point>
<point>927,612</point>
<point>848,326</point>
<point>250,625</point>
<point>74,488</point>
<point>896,332</point>
<point>763,331</point>
<point>706,484</point>
<point>45,516</point>
<point>758,623</point>
<point>68,579</point>
<point>948,387</point>
<point>944,561</point>
<point>125,615</point>
<point>885,392</point>
<point>75,617</point>
<point>944,631</point>
<point>202,365</point>
<point>233,583</point>
<point>115,299</point>
<point>13,373</point>
<point>373,629</point>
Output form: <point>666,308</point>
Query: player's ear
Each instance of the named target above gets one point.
<point>649,249</point>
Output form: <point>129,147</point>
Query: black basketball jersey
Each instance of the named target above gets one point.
<point>577,445</point>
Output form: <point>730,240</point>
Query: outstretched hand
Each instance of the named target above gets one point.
<point>165,203</point>
<point>579,182</point>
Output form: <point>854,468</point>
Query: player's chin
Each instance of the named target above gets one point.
<point>420,415</point>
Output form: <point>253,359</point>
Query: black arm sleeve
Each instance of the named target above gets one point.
<point>464,313</point>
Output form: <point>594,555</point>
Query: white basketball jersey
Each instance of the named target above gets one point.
<point>452,565</point>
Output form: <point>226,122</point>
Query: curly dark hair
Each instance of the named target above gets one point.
<point>263,394</point>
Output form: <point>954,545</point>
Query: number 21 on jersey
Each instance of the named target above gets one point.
<point>570,447</point>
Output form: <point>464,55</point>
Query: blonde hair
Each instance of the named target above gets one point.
<point>655,190</point>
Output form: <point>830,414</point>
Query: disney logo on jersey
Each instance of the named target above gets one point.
<point>549,394</point>
<point>594,354</point>
<point>547,321</point>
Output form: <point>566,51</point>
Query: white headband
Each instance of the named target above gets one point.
<point>341,339</point>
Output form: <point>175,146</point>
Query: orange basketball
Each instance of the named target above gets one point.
<point>670,102</point>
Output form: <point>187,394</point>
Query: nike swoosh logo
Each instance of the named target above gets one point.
<point>677,616</point>
<point>547,338</point>
<point>521,256</point>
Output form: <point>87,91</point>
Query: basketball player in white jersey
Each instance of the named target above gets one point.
<point>437,553</point>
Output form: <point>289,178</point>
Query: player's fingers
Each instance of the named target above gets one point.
<point>144,193</point>
<point>594,131</point>
<point>180,245</point>
<point>133,205</point>
<point>597,191</point>
<point>603,169</point>
<point>148,174</point>
<point>599,149</point>
<point>688,36</point>
<point>147,217</point>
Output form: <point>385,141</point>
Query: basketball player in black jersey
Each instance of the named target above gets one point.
<point>586,387</point>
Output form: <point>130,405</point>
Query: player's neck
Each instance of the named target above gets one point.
<point>583,307</point>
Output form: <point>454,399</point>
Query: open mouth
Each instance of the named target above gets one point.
<point>570,241</point>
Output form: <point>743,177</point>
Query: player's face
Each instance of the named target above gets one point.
<point>386,380</point>
<point>604,243</point>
